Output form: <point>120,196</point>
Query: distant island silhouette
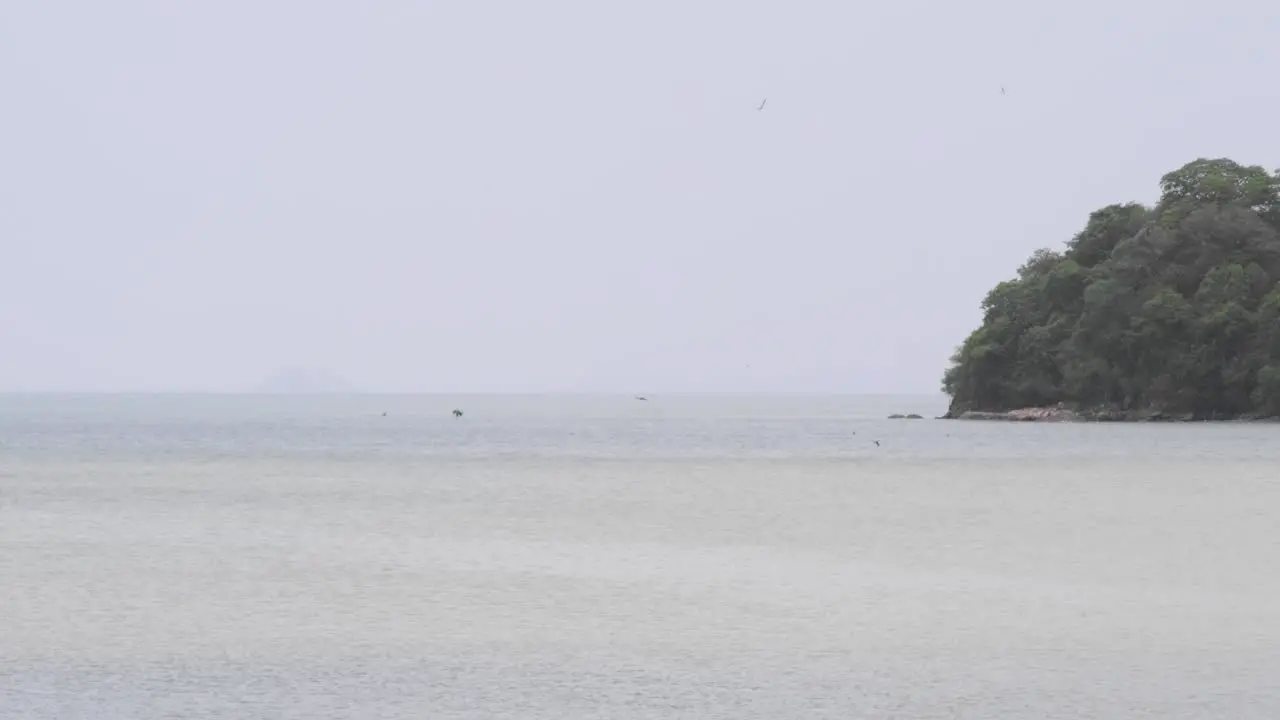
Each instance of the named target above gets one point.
<point>303,381</point>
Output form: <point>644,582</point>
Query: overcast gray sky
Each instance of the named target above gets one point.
<point>575,195</point>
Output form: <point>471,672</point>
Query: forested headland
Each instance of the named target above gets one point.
<point>1170,311</point>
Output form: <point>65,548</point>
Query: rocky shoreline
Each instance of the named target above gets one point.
<point>1062,413</point>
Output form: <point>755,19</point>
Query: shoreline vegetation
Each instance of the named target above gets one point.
<point>1162,313</point>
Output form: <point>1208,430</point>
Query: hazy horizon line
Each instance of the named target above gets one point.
<point>552,393</point>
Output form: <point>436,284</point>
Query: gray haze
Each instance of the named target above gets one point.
<point>574,196</point>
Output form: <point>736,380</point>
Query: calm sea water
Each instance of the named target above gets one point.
<point>602,557</point>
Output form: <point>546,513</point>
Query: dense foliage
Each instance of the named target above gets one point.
<point>1174,308</point>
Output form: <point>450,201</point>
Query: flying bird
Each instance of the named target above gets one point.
<point>641,397</point>
<point>762,102</point>
<point>877,442</point>
<point>457,413</point>
<point>1001,89</point>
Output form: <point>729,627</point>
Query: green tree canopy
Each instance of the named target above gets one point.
<point>1174,308</point>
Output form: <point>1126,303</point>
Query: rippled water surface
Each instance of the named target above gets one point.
<point>593,557</point>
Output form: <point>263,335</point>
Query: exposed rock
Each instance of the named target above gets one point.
<point>909,416</point>
<point>1062,413</point>
<point>980,415</point>
<point>1050,414</point>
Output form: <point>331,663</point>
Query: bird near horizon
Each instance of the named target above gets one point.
<point>762,102</point>
<point>1002,90</point>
